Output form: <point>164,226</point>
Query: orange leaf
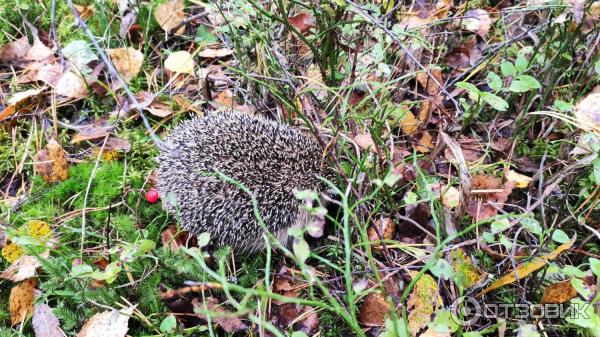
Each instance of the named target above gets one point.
<point>52,162</point>
<point>560,292</point>
<point>21,301</point>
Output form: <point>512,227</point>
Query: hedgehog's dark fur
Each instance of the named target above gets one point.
<point>272,160</point>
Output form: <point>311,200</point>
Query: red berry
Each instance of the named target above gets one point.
<point>152,195</point>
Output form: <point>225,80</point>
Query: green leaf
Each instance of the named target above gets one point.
<point>496,102</point>
<point>301,249</point>
<point>80,270</point>
<point>410,198</point>
<point>395,328</point>
<point>563,106</point>
<point>499,225</point>
<point>596,172</point>
<point>595,266</point>
<point>560,236</point>
<point>442,269</point>
<point>531,224</point>
<point>168,324</point>
<point>80,54</point>
<point>597,66</point>
<point>582,290</point>
<point>573,271</point>
<point>443,322</point>
<point>203,239</point>
<point>205,37</point>
<point>521,63</point>
<point>471,90</point>
<point>583,315</point>
<point>524,83</point>
<point>508,69</point>
<point>494,81</point>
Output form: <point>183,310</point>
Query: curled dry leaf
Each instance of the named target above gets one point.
<point>521,180</point>
<point>465,56</point>
<point>22,269</point>
<point>374,310</point>
<point>38,51</point>
<point>180,62</point>
<point>45,323</point>
<point>99,129</point>
<point>587,113</point>
<point>16,100</point>
<point>128,61</point>
<point>213,53</point>
<point>169,15</point>
<point>489,195</point>
<point>365,142</point>
<point>21,299</point>
<point>477,21</point>
<point>410,123</point>
<point>174,239</point>
<point>303,22</point>
<point>51,162</point>
<point>15,51</point>
<point>558,293</point>
<point>227,320</point>
<point>71,85</point>
<point>110,323</point>
<point>425,144</point>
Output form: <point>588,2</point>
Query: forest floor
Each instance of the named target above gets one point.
<point>464,136</point>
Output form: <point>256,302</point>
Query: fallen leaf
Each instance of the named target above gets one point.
<point>525,269</point>
<point>174,239</point>
<point>110,323</point>
<point>80,54</point>
<point>71,85</point>
<point>373,310</point>
<point>51,162</point>
<point>38,51</point>
<point>85,12</point>
<point>385,227</point>
<point>488,195</point>
<point>180,62</point>
<point>477,21</point>
<point>15,51</point>
<point>21,269</point>
<point>99,129</point>
<point>169,15</point>
<point>128,61</point>
<point>466,274</point>
<point>520,180</point>
<point>365,141</point>
<point>303,22</point>
<point>431,88</point>
<point>45,323</point>
<point>423,301</point>
<point>450,197</point>
<point>13,103</point>
<point>21,299</point>
<point>558,293</point>
<point>587,113</point>
<point>410,124</point>
<point>117,144</point>
<point>215,53</point>
<point>228,321</point>
<point>425,144</point>
<point>465,56</point>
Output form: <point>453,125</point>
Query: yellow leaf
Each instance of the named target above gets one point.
<point>423,301</point>
<point>21,300</point>
<point>127,61</point>
<point>425,144</point>
<point>527,268</point>
<point>180,62</point>
<point>521,180</point>
<point>409,123</point>
<point>169,15</point>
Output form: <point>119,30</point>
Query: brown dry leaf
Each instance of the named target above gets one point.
<point>13,103</point>
<point>423,301</point>
<point>48,73</point>
<point>410,124</point>
<point>15,51</point>
<point>303,22</point>
<point>472,150</point>
<point>428,84</point>
<point>521,180</point>
<point>465,56</point>
<point>159,109</point>
<point>425,144</point>
<point>525,269</point>
<point>38,51</point>
<point>128,61</point>
<point>365,141</point>
<point>228,321</point>
<point>21,269</point>
<point>110,323</point>
<point>488,195</point>
<point>558,293</point>
<point>117,144</point>
<point>51,162</point>
<point>385,227</point>
<point>45,323</point>
<point>587,113</point>
<point>477,21</point>
<point>71,85</point>
<point>180,62</point>
<point>174,239</point>
<point>169,15</point>
<point>20,302</point>
<point>374,310</point>
<point>85,12</point>
<point>213,53</point>
<point>99,129</point>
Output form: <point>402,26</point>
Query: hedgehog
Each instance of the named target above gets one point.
<point>208,158</point>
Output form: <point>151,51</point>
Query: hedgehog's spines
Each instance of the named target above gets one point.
<point>270,159</point>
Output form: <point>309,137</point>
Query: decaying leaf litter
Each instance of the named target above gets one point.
<point>463,136</point>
